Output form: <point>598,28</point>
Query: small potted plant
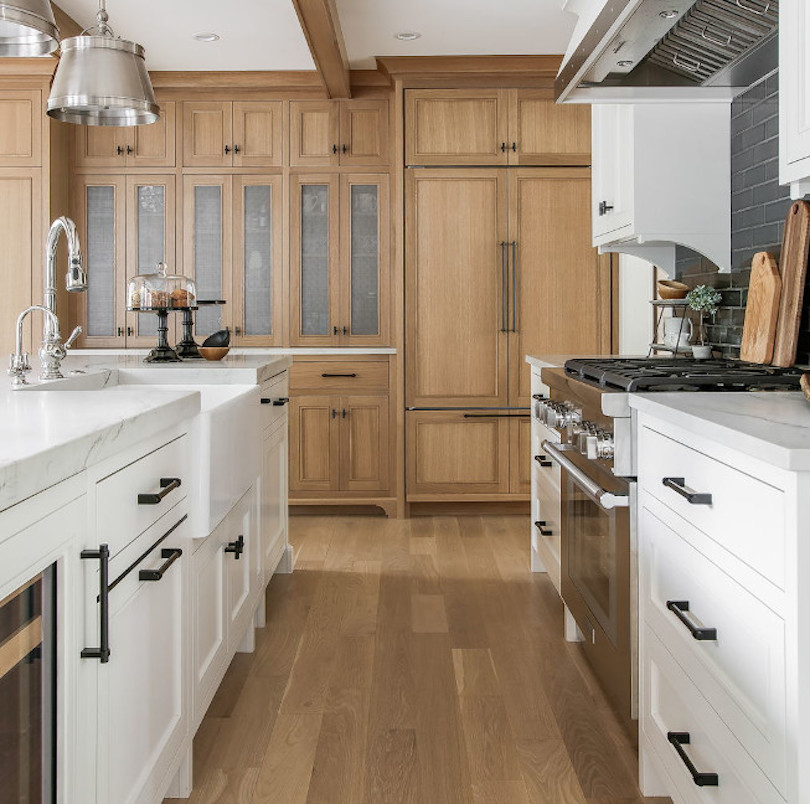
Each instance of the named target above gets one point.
<point>703,300</point>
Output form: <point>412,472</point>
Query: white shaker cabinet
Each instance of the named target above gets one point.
<point>661,177</point>
<point>794,96</point>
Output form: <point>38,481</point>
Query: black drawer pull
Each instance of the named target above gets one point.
<point>102,652</point>
<point>237,547</point>
<point>678,485</point>
<point>338,375</point>
<point>543,531</point>
<point>679,609</point>
<point>167,486</point>
<point>280,402</point>
<point>539,397</point>
<point>543,460</point>
<point>681,738</point>
<point>171,554</point>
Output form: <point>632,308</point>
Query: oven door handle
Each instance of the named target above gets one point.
<point>605,498</point>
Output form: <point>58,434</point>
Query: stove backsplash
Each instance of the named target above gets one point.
<point>759,205</point>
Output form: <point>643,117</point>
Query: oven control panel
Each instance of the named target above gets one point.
<point>593,440</point>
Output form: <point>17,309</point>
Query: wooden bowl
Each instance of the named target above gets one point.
<point>670,289</point>
<point>214,352</point>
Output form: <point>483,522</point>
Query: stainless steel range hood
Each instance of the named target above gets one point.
<point>669,43</point>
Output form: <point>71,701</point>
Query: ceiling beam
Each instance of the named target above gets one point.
<point>321,26</point>
<point>65,23</point>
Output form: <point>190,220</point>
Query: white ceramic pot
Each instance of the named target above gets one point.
<point>702,352</point>
<point>677,333</point>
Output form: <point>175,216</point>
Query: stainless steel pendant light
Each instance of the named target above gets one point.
<point>102,80</point>
<point>27,28</point>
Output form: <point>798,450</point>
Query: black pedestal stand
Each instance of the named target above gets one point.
<point>187,348</point>
<point>162,353</point>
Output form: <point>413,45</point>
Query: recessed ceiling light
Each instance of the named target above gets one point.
<point>206,37</point>
<point>668,15</point>
<point>407,36</point>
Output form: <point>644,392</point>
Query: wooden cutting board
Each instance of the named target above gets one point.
<point>762,310</point>
<point>795,249</point>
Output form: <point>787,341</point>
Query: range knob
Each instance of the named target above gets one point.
<point>605,446</point>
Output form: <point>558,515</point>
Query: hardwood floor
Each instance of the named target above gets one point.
<point>412,662</point>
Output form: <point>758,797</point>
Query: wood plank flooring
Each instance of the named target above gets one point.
<point>412,662</point>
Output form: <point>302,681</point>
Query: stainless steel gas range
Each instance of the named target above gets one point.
<point>588,407</point>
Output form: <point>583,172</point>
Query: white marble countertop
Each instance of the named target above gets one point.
<point>771,426</point>
<point>292,351</point>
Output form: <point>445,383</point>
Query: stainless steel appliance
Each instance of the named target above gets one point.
<point>588,407</point>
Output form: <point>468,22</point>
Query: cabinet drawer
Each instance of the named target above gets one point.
<point>672,704</point>
<point>745,515</point>
<point>277,390</point>
<point>340,376</point>
<point>120,517</point>
<point>741,673</point>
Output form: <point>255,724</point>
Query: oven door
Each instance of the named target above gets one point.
<point>596,568</point>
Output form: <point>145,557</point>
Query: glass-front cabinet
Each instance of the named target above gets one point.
<point>339,256</point>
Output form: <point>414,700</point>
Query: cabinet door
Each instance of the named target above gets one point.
<point>364,443</point>
<point>365,251</point>
<point>152,145</point>
<point>456,127</point>
<point>543,132</point>
<point>101,146</point>
<point>449,453</point>
<point>207,132</point>
<point>314,444</point>
<point>21,233</point>
<point>314,133</point>
<point>612,197</point>
<point>101,217</point>
<point>20,128</point>
<point>363,132</point>
<point>794,79</point>
<point>242,570</point>
<point>257,134</point>
<point>150,240</point>
<point>257,260</point>
<point>274,492</point>
<point>520,446</point>
<point>455,286</point>
<point>314,254</point>
<point>560,288</point>
<point>207,231</point>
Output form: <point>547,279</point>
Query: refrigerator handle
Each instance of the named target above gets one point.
<point>514,286</point>
<point>504,287</point>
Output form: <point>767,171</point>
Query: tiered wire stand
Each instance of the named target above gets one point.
<point>659,306</point>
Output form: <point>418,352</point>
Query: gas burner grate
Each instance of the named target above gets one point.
<point>682,374</point>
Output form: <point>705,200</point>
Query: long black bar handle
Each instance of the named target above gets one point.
<point>539,397</point>
<point>102,652</point>
<point>681,738</point>
<point>170,554</point>
<point>497,415</point>
<point>514,286</point>
<point>280,402</point>
<point>541,526</point>
<point>679,609</point>
<point>167,486</point>
<point>543,460</point>
<point>326,374</point>
<point>504,284</point>
<point>678,485</point>
<point>237,547</point>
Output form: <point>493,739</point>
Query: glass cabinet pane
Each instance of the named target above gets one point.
<point>208,255</point>
<point>365,259</point>
<point>100,260</point>
<point>258,260</point>
<point>315,313</point>
<point>151,241</point>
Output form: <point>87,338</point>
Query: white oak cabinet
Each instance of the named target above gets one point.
<point>661,177</point>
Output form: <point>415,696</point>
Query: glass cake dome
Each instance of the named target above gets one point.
<point>159,291</point>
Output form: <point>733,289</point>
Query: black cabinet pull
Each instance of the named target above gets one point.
<point>280,402</point>
<point>678,485</point>
<point>236,149</point>
<point>679,609</point>
<point>130,332</point>
<point>514,147</point>
<point>540,525</point>
<point>171,554</point>
<point>344,149</point>
<point>227,149</point>
<point>167,485</point>
<point>334,149</point>
<point>102,652</point>
<point>335,330</point>
<point>543,460</point>
<point>237,547</point>
<point>539,397</point>
<point>514,285</point>
<point>681,738</point>
<point>130,150</point>
<point>120,332</point>
<point>504,287</point>
<point>119,150</point>
<point>338,375</point>
<point>604,208</point>
<point>344,413</point>
<point>503,147</point>
<point>497,415</point>
<point>334,414</point>
<point>345,330</point>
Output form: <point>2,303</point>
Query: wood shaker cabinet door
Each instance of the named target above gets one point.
<point>153,145</point>
<point>314,443</point>
<point>258,134</point>
<point>448,453</point>
<point>100,146</point>
<point>364,132</point>
<point>207,131</point>
<point>455,283</point>
<point>20,128</point>
<point>543,132</point>
<point>314,133</point>
<point>456,127</point>
<point>364,455</point>
<point>520,453</point>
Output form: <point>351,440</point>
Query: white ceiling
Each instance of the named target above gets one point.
<point>256,34</point>
<point>453,27</point>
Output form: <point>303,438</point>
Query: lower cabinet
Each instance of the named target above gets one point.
<point>274,493</point>
<point>467,455</point>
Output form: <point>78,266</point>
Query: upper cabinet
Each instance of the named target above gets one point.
<point>20,128</point>
<point>494,127</point>
<point>661,178</point>
<point>133,146</point>
<point>794,110</point>
<point>241,134</point>
<point>339,133</point>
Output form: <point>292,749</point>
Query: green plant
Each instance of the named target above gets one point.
<point>706,301</point>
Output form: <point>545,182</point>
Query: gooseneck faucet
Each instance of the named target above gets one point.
<point>20,362</point>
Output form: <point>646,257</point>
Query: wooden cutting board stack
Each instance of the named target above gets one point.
<point>762,310</point>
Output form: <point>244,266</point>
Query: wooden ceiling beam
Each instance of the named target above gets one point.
<point>65,23</point>
<point>321,26</point>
